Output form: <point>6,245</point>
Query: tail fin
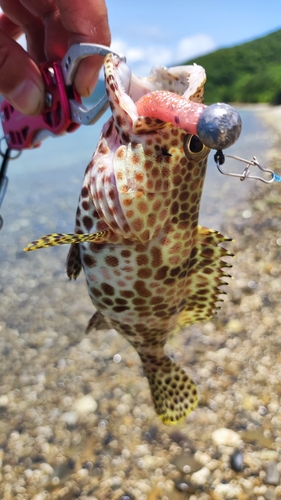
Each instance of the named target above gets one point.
<point>174,393</point>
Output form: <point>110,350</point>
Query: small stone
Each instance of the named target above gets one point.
<point>267,455</point>
<point>47,468</point>
<point>236,461</point>
<point>260,490</point>
<point>234,326</point>
<point>39,496</point>
<point>70,418</point>
<point>226,437</point>
<point>201,476</point>
<point>85,405</point>
<point>227,490</point>
<point>4,401</point>
<point>184,485</point>
<point>270,495</point>
<point>247,485</point>
<point>272,474</point>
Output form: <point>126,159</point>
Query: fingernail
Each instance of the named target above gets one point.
<point>92,83</point>
<point>86,80</point>
<point>27,97</point>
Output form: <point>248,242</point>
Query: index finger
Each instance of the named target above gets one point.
<point>86,22</point>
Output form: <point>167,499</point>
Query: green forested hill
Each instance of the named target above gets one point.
<point>250,72</point>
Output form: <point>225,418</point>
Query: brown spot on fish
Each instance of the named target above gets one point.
<point>111,261</point>
<point>137,224</point>
<point>85,192</point>
<point>141,289</point>
<point>85,205</point>
<point>88,222</point>
<point>161,273</point>
<point>144,272</point>
<point>89,260</point>
<point>139,177</point>
<point>107,289</point>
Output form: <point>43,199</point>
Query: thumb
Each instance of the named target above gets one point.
<point>21,82</point>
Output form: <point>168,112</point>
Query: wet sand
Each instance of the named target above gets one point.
<point>76,418</point>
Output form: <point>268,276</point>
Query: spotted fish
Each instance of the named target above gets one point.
<point>151,270</point>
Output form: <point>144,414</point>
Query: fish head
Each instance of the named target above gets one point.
<point>144,169</point>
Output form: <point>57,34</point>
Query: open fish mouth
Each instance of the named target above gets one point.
<point>187,81</point>
<point>182,80</point>
<point>173,96</point>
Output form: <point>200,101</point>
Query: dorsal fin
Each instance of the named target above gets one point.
<point>205,276</point>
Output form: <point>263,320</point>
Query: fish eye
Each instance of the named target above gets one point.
<point>194,148</point>
<point>195,145</point>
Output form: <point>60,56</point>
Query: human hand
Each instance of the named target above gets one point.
<point>51,27</point>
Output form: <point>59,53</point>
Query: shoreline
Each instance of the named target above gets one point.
<point>269,114</point>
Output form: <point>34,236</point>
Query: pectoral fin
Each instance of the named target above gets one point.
<point>51,240</point>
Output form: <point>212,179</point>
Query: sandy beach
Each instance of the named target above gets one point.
<point>76,417</point>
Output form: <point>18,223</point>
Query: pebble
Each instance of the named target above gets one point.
<point>70,417</point>
<point>272,474</point>
<point>201,476</point>
<point>4,400</point>
<point>236,461</point>
<point>84,406</point>
<point>226,437</point>
<point>228,490</point>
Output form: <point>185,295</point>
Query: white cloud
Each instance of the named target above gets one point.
<point>142,58</point>
<point>193,46</point>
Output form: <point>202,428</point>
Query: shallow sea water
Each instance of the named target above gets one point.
<point>53,443</point>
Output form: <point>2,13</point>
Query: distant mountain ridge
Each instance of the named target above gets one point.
<point>250,72</point>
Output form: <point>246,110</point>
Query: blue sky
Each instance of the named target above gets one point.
<point>167,32</point>
<point>161,32</point>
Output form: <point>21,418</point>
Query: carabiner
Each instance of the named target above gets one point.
<point>219,158</point>
<point>80,114</point>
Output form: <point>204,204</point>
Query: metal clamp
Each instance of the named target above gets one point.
<point>69,64</point>
<point>219,158</point>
